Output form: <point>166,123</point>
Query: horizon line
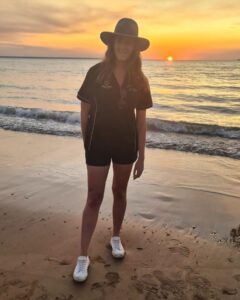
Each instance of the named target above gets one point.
<point>77,57</point>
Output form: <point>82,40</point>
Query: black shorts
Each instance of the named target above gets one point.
<point>102,156</point>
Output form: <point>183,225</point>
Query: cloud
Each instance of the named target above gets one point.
<point>20,16</point>
<point>67,17</point>
<point>12,49</point>
<point>175,12</point>
<point>39,18</point>
<point>22,21</point>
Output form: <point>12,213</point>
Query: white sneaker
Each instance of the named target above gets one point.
<point>81,270</point>
<point>117,247</point>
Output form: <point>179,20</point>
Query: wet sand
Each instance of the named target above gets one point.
<point>175,231</point>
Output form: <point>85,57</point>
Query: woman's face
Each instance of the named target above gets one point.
<point>123,47</point>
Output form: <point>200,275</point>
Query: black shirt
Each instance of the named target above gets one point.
<point>112,117</point>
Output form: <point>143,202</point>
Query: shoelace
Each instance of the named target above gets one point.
<point>82,265</point>
<point>116,244</point>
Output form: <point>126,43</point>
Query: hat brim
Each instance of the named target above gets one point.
<point>106,36</point>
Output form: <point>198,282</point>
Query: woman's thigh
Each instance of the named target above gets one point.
<point>121,175</point>
<point>97,176</point>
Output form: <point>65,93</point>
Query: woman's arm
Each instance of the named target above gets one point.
<point>141,131</point>
<point>85,107</point>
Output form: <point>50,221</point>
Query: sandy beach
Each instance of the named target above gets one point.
<point>175,231</point>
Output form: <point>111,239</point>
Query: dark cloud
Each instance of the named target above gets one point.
<point>12,49</point>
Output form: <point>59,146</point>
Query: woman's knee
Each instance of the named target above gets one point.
<point>95,198</point>
<point>119,192</point>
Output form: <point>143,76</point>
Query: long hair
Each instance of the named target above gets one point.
<point>134,67</point>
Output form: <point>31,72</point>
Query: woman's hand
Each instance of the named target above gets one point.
<point>138,168</point>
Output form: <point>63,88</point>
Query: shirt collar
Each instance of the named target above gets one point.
<point>125,81</point>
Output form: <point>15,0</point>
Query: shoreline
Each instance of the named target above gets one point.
<point>43,192</point>
<point>192,192</point>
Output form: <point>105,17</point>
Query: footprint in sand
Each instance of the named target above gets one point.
<point>169,288</point>
<point>188,268</point>
<point>2,273</point>
<point>176,241</point>
<point>23,290</point>
<point>158,286</point>
<point>229,291</point>
<point>172,287</point>
<point>113,278</point>
<point>97,285</point>
<point>158,274</point>
<point>63,261</point>
<point>99,259</point>
<point>143,286</point>
<point>147,216</point>
<point>202,285</point>
<point>198,281</point>
<point>236,277</point>
<point>97,288</point>
<point>181,250</point>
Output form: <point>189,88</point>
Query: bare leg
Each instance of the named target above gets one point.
<point>121,174</point>
<point>96,185</point>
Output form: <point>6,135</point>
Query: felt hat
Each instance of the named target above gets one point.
<point>125,27</point>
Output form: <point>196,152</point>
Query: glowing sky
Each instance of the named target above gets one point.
<point>183,29</point>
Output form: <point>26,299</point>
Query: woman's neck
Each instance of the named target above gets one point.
<point>121,65</point>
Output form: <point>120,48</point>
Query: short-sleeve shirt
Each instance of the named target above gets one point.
<point>112,119</point>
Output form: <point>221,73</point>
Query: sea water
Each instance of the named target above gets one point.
<point>196,104</point>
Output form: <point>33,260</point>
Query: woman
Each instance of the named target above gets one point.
<point>110,93</point>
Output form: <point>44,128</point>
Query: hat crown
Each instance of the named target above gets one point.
<point>127,26</point>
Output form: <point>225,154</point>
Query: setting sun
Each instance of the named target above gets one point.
<point>169,58</point>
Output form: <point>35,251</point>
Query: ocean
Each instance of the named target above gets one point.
<point>196,104</point>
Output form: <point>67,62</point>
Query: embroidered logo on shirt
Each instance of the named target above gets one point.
<point>106,85</point>
<point>131,89</point>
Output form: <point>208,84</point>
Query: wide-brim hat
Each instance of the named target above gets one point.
<point>125,27</point>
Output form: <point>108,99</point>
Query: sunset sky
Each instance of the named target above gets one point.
<point>183,29</point>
